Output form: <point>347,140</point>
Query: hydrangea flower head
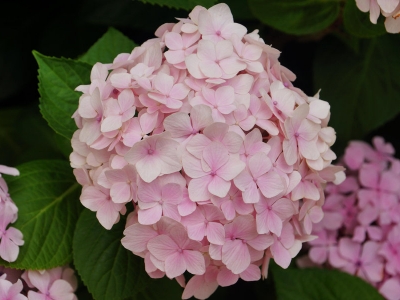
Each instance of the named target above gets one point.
<point>222,158</point>
<point>10,237</point>
<point>389,9</point>
<point>56,284</point>
<point>360,233</point>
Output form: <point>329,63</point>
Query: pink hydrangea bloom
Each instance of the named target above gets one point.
<point>10,237</point>
<point>10,291</point>
<point>57,284</point>
<point>223,159</point>
<point>389,9</point>
<point>360,232</point>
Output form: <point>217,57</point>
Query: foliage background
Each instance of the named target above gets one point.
<point>327,44</point>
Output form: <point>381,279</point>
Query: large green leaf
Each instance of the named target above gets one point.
<point>357,23</point>
<point>47,197</point>
<point>317,284</point>
<point>108,269</point>
<point>296,16</point>
<point>58,78</point>
<point>183,4</point>
<point>108,47</point>
<point>363,89</point>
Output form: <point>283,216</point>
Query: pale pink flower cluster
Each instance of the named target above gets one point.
<point>222,157</point>
<point>10,237</point>
<point>56,284</point>
<point>389,9</point>
<point>360,232</point>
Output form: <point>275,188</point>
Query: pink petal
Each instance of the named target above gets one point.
<point>391,288</point>
<point>194,261</point>
<point>107,214</point>
<point>137,237</point>
<point>201,117</point>
<point>210,69</point>
<point>261,221</point>
<point>149,168</point>
<point>215,233</point>
<point>228,210</point>
<point>219,187</point>
<point>283,208</point>
<point>243,180</point>
<point>318,255</point>
<point>251,194</point>
<point>290,151</point>
<point>196,231</point>
<point>178,124</point>
<point>226,277</point>
<point>271,184</point>
<point>193,65</point>
<point>173,41</point>
<point>179,91</point>
<point>162,247</point>
<point>259,164</point>
<point>236,256</point>
<point>252,273</point>
<point>349,249</point>
<point>8,250</point>
<point>120,192</point>
<point>175,265</point>
<point>281,255</point>
<point>274,223</point>
<point>150,216</point>
<point>374,271</point>
<point>216,155</point>
<point>261,242</point>
<point>231,169</point>
<point>198,188</point>
<point>40,281</point>
<point>61,289</point>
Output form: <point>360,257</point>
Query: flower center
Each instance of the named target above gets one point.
<point>150,151</point>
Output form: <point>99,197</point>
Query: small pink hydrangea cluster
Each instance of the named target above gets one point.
<point>10,238</point>
<point>389,9</point>
<point>56,284</point>
<point>360,232</point>
<point>222,157</point>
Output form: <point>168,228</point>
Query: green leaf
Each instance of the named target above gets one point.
<point>58,78</point>
<point>107,269</point>
<point>316,284</point>
<point>47,197</point>
<point>182,4</point>
<point>363,89</point>
<point>108,47</point>
<point>358,23</point>
<point>296,16</point>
